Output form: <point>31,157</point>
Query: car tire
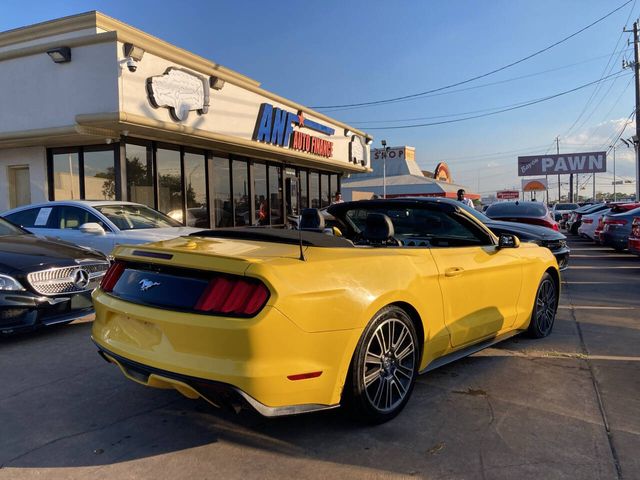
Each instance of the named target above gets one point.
<point>545,307</point>
<point>384,367</point>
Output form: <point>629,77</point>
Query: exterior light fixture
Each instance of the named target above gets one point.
<point>216,83</point>
<point>369,140</point>
<point>347,132</point>
<point>133,51</point>
<point>60,54</point>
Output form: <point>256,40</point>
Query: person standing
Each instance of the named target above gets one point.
<point>463,199</point>
<point>337,198</point>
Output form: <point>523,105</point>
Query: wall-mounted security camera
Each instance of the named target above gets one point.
<point>132,65</point>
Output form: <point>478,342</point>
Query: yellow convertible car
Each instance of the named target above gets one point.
<point>292,321</point>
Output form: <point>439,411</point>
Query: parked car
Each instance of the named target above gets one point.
<point>100,225</point>
<point>617,229</point>
<point>589,223</point>
<point>43,282</point>
<point>614,208</point>
<point>543,236</point>
<point>294,321</point>
<point>535,213</point>
<point>560,209</point>
<point>634,237</point>
<point>575,218</point>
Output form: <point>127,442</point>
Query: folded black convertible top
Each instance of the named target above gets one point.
<point>291,237</point>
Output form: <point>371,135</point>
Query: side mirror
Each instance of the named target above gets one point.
<point>92,228</point>
<point>508,240</point>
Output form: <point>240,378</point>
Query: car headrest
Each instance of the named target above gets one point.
<point>378,228</point>
<point>311,218</point>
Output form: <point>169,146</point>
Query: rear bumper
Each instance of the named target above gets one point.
<point>614,240</point>
<point>634,245</point>
<point>24,311</point>
<point>254,357</point>
<point>217,393</point>
<point>562,257</point>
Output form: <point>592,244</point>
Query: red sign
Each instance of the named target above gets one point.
<point>508,195</point>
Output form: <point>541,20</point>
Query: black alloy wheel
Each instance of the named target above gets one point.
<point>544,308</point>
<point>384,367</point>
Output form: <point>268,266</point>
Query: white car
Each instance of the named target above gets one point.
<point>590,222</point>
<point>100,225</point>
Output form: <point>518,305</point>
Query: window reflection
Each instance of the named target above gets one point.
<point>324,188</point>
<point>275,195</point>
<point>66,176</point>
<point>240,175</point>
<point>169,182</point>
<point>304,193</point>
<point>222,192</point>
<point>262,216</point>
<point>139,174</point>
<point>314,189</point>
<point>99,175</point>
<point>196,190</point>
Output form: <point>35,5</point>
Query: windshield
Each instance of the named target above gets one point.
<point>136,217</point>
<point>479,215</point>
<point>519,209</point>
<point>7,228</point>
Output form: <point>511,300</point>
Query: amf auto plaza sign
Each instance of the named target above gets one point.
<point>585,162</point>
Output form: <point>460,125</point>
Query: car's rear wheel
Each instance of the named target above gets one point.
<point>384,367</point>
<point>544,308</point>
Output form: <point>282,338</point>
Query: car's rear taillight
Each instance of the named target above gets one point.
<point>587,220</point>
<point>635,228</point>
<point>233,296</point>
<point>112,276</point>
<point>611,221</point>
<point>555,227</point>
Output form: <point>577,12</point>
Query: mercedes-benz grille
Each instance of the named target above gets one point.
<point>77,278</point>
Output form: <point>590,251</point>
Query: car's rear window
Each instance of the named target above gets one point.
<point>566,206</point>
<point>516,209</point>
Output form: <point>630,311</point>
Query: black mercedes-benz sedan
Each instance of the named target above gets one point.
<point>44,282</point>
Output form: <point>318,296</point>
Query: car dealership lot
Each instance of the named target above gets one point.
<point>524,409</point>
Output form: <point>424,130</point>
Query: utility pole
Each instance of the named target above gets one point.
<point>558,152</point>
<point>636,70</point>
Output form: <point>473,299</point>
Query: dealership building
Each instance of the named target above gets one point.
<point>96,109</point>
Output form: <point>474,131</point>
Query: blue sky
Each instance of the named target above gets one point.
<point>338,52</point>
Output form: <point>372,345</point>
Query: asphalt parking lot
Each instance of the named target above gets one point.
<point>567,406</point>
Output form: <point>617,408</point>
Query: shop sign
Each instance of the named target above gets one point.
<point>587,162</point>
<point>442,172</point>
<point>534,185</point>
<point>179,90</point>
<point>508,194</point>
<point>275,126</point>
<point>391,153</point>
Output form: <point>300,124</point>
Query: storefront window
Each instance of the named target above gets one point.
<point>195,184</point>
<point>99,175</point>
<point>222,192</point>
<point>240,175</point>
<point>139,174</point>
<point>66,176</point>
<point>333,186</point>
<point>262,215</point>
<point>314,189</point>
<point>169,183</point>
<point>275,195</point>
<point>304,193</point>
<point>324,190</point>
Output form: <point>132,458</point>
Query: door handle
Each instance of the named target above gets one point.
<point>453,271</point>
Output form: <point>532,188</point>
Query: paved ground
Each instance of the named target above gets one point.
<point>567,406</point>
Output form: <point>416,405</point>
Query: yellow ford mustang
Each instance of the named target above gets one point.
<point>294,321</point>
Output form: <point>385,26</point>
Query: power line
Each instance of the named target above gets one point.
<point>477,77</point>
<point>502,110</point>
<point>475,87</point>
<point>604,72</point>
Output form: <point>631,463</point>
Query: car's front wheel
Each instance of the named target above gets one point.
<point>384,367</point>
<point>544,308</point>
